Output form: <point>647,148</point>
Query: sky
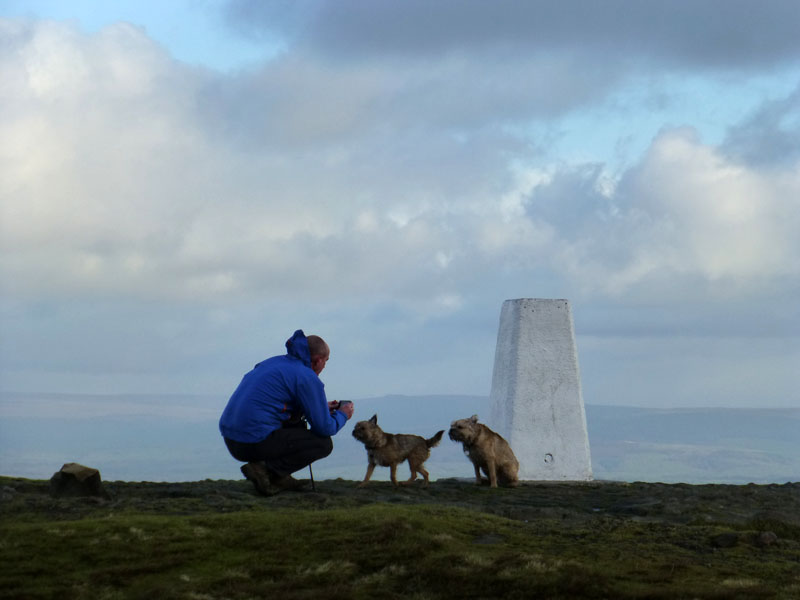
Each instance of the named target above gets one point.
<point>183,184</point>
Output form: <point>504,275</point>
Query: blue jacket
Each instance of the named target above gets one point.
<point>275,389</point>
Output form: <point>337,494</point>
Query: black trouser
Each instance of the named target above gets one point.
<point>284,451</point>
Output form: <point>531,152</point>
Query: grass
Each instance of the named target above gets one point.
<point>382,551</point>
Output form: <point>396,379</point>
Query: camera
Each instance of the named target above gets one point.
<point>343,402</point>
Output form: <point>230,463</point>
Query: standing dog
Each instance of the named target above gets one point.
<point>389,449</point>
<point>487,450</point>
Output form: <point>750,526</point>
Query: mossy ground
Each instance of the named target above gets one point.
<point>210,540</point>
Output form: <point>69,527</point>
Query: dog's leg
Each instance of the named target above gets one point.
<point>478,478</point>
<point>370,469</point>
<point>393,473</point>
<point>416,467</point>
<point>425,474</point>
<point>491,467</point>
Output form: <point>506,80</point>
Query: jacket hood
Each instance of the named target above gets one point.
<point>297,347</point>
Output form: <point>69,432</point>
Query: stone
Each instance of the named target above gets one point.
<point>76,480</point>
<point>536,399</point>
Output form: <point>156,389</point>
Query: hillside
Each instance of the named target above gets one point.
<point>218,539</point>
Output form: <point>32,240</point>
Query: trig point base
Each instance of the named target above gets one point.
<point>536,397</point>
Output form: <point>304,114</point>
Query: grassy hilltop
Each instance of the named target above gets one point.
<point>218,539</point>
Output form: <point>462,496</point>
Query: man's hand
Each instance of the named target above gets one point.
<point>346,409</point>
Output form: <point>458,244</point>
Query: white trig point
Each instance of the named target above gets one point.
<point>536,397</point>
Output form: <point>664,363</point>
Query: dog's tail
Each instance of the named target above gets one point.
<point>434,441</point>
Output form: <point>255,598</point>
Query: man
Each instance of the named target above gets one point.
<point>264,423</point>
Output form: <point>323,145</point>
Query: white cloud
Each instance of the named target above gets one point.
<point>115,184</point>
<point>721,218</point>
<point>686,212</point>
<point>157,220</point>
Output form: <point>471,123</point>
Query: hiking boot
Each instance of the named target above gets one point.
<point>257,473</point>
<point>286,482</point>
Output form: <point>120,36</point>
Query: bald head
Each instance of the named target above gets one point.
<point>319,351</point>
<point>317,346</point>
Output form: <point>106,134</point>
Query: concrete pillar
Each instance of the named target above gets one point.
<point>536,391</point>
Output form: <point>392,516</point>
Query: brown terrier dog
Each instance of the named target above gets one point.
<point>390,449</point>
<point>487,450</point>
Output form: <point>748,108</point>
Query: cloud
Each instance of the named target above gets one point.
<point>300,99</point>
<point>684,215</point>
<point>98,153</point>
<point>121,178</point>
<point>130,174</point>
<point>770,136</point>
<point>683,33</point>
<point>164,226</point>
<point>726,221</point>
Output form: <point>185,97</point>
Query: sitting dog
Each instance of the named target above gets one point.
<point>389,449</point>
<point>487,450</point>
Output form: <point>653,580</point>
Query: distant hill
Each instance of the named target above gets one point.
<point>175,438</point>
<point>716,445</point>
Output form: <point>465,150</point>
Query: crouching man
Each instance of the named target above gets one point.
<point>279,420</point>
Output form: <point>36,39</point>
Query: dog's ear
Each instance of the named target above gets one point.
<point>474,418</point>
<point>374,419</point>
